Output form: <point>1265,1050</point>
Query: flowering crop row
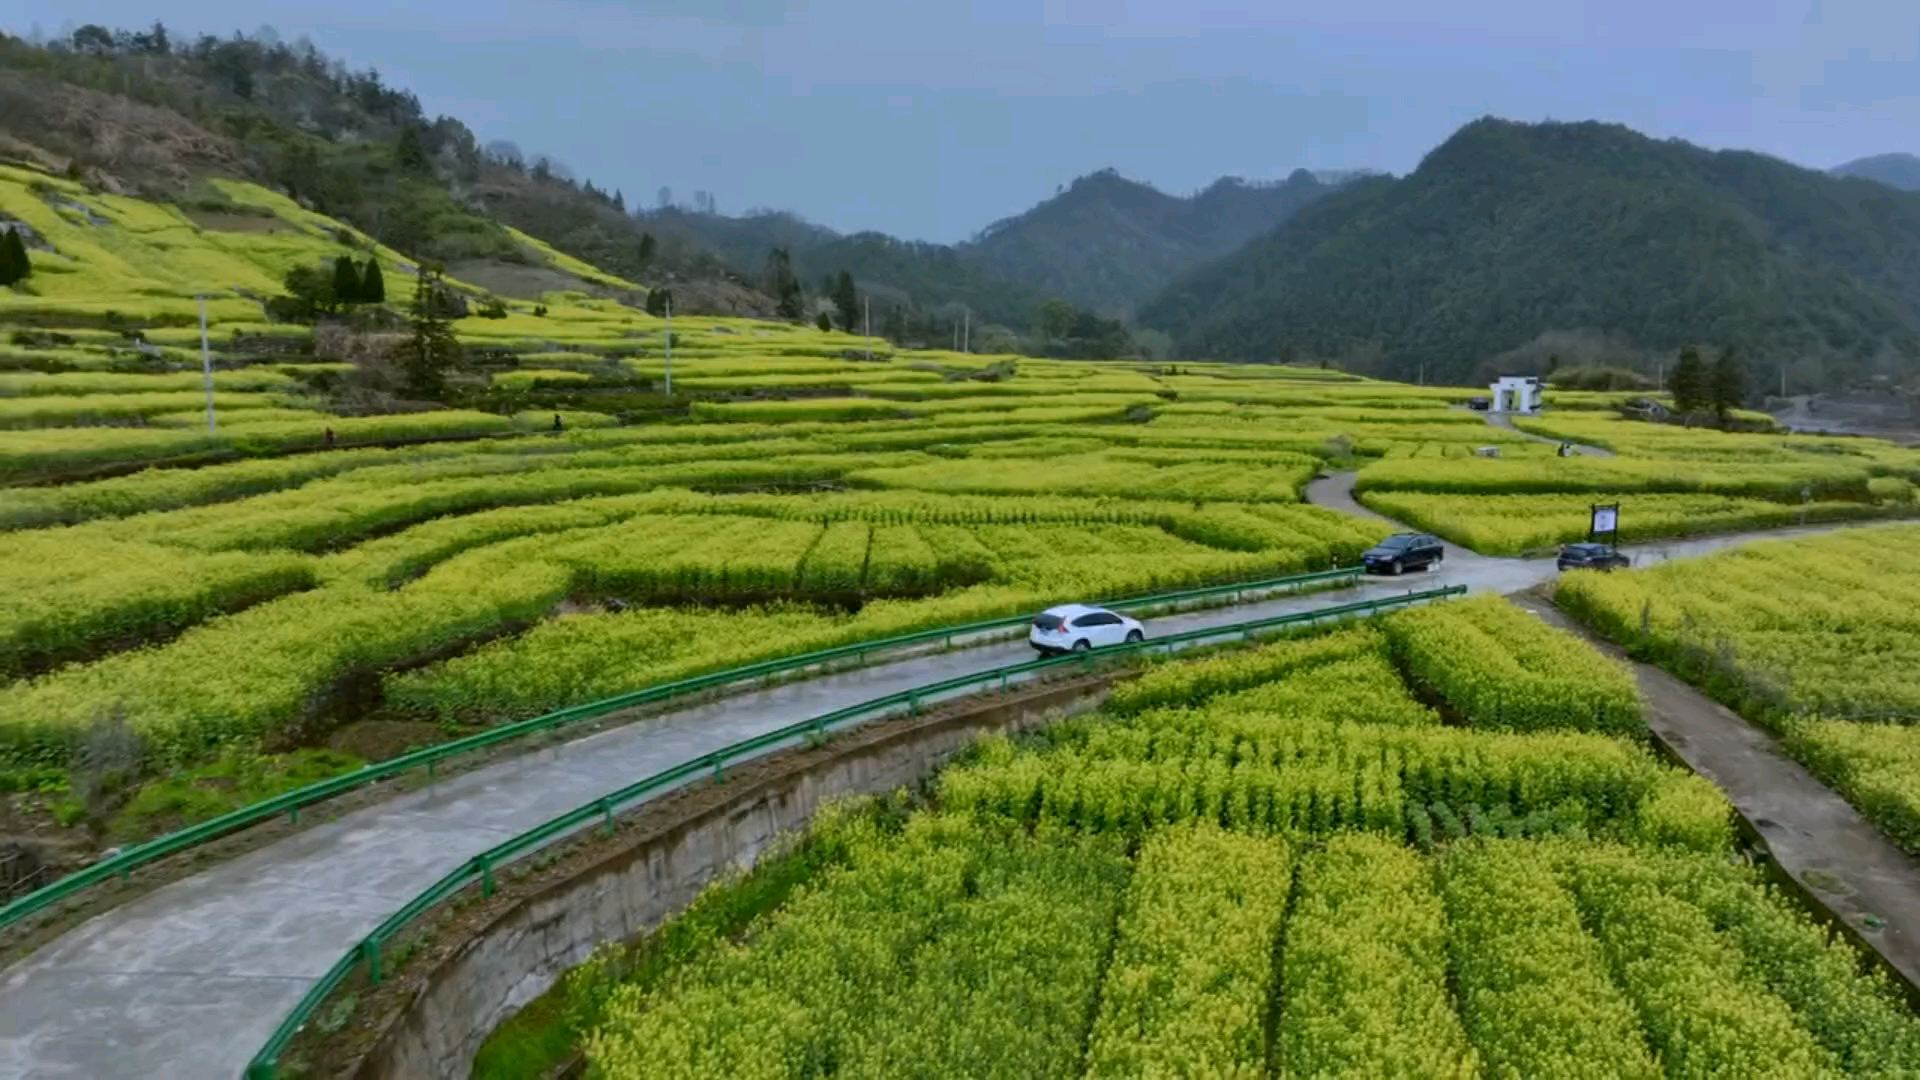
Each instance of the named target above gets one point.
<point>1305,778</point>
<point>1519,524</point>
<point>1500,667</point>
<point>1186,990</point>
<point>952,948</point>
<point>1364,969</point>
<point>1701,1013</point>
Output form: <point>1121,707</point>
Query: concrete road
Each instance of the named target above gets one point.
<point>190,980</point>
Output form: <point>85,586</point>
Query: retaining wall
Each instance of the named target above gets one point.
<point>520,953</point>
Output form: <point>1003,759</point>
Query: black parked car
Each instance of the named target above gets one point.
<point>1402,552</point>
<point>1480,404</point>
<point>1592,557</point>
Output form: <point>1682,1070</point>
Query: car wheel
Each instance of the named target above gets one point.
<point>1081,645</point>
<point>1398,568</point>
<point>1135,637</point>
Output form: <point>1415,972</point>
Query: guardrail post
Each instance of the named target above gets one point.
<point>606,814</point>
<point>430,771</point>
<point>913,704</point>
<point>293,813</point>
<point>370,947</point>
<point>719,769</point>
<point>486,875</point>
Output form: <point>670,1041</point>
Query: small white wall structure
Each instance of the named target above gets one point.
<point>1516,394</point>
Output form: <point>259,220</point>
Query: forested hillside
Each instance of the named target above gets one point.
<point>1508,231</point>
<point>1104,243</point>
<point>1108,242</point>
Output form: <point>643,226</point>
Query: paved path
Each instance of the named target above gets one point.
<point>189,980</point>
<point>1814,834</point>
<point>1503,420</point>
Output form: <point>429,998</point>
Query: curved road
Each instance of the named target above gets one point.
<point>191,979</point>
<point>1505,421</point>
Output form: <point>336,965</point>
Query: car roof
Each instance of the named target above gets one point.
<point>1586,546</point>
<point>1068,611</point>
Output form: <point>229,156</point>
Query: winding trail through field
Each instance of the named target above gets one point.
<point>1505,421</point>
<point>191,978</point>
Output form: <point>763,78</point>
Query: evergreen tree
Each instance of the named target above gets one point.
<point>429,350</point>
<point>658,300</point>
<point>411,153</point>
<point>783,286</point>
<point>373,287</point>
<point>619,201</point>
<point>346,281</point>
<point>1727,386</point>
<point>647,248</point>
<point>823,322</point>
<point>846,301</point>
<point>14,264</point>
<point>1690,384</point>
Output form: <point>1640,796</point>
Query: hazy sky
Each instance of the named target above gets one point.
<point>930,120</point>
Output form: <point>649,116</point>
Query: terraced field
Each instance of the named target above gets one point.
<point>1279,859</point>
<point>302,575</point>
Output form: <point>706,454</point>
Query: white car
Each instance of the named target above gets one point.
<point>1077,627</point>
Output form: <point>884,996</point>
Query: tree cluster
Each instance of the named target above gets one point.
<point>313,291</point>
<point>1698,386</point>
<point>1062,330</point>
<point>15,266</point>
<point>783,285</point>
<point>846,302</point>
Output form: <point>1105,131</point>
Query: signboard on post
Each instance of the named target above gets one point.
<point>1605,526</point>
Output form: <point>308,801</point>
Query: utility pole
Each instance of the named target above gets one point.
<point>966,334</point>
<point>867,329</point>
<point>956,335</point>
<point>669,311</point>
<point>206,364</point>
<point>1660,375</point>
<point>1783,380</point>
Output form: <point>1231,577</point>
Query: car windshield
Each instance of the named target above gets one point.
<point>1397,542</point>
<point>1047,621</point>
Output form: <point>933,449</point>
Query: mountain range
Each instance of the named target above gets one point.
<point>1507,240</point>
<point>1508,231</point>
<point>1104,243</point>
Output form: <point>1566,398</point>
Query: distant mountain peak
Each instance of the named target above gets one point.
<point>1894,170</point>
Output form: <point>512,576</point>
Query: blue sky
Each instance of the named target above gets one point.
<point>930,120</point>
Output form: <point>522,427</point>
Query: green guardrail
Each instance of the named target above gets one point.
<point>292,802</point>
<point>480,869</point>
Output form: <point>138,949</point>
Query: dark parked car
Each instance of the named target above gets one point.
<point>1479,404</point>
<point>1402,552</point>
<point>1592,557</point>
